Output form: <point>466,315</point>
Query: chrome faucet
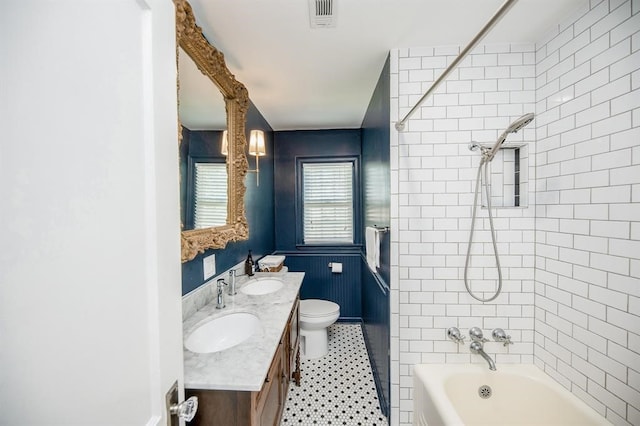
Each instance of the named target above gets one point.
<point>454,334</point>
<point>477,348</point>
<point>476,335</point>
<point>232,282</point>
<point>220,300</point>
<point>499,335</point>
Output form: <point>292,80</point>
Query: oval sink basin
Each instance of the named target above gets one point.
<point>222,333</point>
<point>262,286</point>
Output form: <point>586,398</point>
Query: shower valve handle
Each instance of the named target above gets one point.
<point>454,334</point>
<point>476,335</point>
<point>499,335</point>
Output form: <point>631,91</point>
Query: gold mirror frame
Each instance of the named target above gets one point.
<point>211,62</point>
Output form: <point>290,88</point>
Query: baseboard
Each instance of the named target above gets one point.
<point>357,320</point>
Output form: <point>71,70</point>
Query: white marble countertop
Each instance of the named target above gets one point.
<point>243,367</point>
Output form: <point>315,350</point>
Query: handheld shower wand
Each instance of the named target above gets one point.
<point>487,156</point>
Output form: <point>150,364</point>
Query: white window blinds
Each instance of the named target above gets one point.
<point>327,202</point>
<point>210,195</point>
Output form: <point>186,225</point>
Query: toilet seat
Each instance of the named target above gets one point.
<point>316,308</point>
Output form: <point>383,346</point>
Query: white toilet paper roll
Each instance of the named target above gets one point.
<point>336,267</point>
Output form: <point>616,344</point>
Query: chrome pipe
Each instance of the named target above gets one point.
<point>483,32</point>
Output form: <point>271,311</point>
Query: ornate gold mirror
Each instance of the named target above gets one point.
<point>211,63</point>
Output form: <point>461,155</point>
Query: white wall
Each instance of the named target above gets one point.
<point>90,326</point>
<point>588,208</point>
<point>584,151</point>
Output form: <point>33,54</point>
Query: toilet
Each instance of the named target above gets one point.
<point>315,316</point>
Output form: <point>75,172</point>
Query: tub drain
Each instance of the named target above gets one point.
<point>485,391</point>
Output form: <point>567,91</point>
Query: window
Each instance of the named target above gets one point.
<point>327,202</point>
<point>209,195</point>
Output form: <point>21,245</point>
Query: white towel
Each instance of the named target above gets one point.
<point>372,240</point>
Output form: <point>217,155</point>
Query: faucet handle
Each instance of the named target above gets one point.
<point>220,300</point>
<point>499,335</point>
<point>232,282</point>
<point>454,334</point>
<point>476,335</point>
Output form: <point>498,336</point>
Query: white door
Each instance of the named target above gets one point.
<point>90,306</point>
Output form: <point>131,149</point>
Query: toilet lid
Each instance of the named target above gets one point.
<point>318,308</point>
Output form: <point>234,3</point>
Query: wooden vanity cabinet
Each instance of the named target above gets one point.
<point>267,405</point>
<point>262,408</point>
<point>293,348</point>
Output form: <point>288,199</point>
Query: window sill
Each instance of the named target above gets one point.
<point>335,248</point>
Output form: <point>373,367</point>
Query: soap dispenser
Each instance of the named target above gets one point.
<point>248,265</point>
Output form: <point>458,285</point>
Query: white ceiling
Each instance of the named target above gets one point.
<point>303,78</point>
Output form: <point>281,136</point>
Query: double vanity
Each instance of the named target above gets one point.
<point>240,359</point>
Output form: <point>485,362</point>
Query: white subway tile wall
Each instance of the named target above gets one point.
<point>586,316</point>
<point>433,198</point>
<point>571,258</point>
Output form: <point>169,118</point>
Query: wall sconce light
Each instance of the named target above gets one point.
<point>257,148</point>
<point>224,143</point>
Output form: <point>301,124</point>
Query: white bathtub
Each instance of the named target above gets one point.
<point>448,394</point>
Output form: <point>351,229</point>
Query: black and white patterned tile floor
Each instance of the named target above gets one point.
<point>337,389</point>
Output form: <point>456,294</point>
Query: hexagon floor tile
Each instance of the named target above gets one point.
<point>337,389</point>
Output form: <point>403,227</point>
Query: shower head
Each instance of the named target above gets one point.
<point>520,123</point>
<point>513,128</point>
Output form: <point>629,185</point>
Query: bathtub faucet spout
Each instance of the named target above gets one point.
<point>477,348</point>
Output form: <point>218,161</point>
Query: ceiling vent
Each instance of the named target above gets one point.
<point>322,13</point>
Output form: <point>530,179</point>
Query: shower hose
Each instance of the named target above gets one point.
<point>484,164</point>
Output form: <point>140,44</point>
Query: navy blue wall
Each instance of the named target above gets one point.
<point>376,210</point>
<point>319,282</point>
<point>375,165</point>
<point>375,318</point>
<point>259,206</point>
<point>304,143</point>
